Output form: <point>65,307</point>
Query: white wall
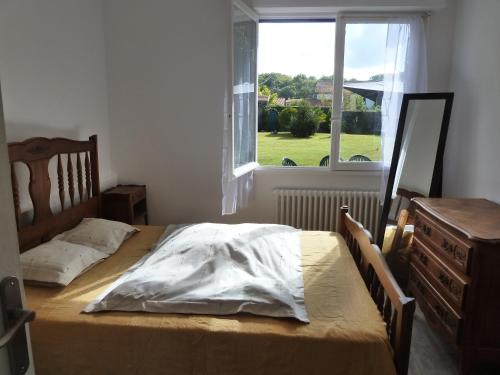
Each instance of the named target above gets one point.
<point>9,253</point>
<point>53,72</point>
<point>167,71</point>
<point>473,152</point>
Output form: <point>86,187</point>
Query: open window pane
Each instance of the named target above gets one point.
<point>362,92</point>
<point>296,62</point>
<point>244,88</point>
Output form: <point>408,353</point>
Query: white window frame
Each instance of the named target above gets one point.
<point>338,81</point>
<point>248,167</point>
<point>341,20</point>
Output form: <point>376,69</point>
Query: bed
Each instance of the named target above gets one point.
<point>360,321</point>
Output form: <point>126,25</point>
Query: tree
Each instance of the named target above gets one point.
<point>288,92</point>
<point>266,91</point>
<point>376,78</point>
<point>275,81</point>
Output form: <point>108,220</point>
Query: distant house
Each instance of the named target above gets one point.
<point>371,91</point>
<point>324,89</point>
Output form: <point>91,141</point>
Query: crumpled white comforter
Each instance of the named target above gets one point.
<point>215,269</point>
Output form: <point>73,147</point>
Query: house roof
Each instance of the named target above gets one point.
<point>368,86</point>
<point>281,101</point>
<point>372,90</point>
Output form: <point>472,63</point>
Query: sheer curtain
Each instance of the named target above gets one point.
<point>405,71</point>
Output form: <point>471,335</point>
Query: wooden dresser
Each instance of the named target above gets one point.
<point>455,274</point>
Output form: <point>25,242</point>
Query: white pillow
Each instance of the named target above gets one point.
<point>58,262</point>
<point>100,234</point>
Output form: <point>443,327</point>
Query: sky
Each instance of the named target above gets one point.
<point>309,48</point>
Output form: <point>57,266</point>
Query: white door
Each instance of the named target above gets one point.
<point>9,253</point>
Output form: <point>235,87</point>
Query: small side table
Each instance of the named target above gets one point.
<point>126,203</point>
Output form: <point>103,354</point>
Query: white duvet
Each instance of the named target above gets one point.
<point>215,269</point>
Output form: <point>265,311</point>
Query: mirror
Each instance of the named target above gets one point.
<point>417,160</point>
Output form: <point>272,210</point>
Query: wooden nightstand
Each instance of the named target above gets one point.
<point>126,203</point>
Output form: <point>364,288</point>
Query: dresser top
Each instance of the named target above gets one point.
<point>478,219</point>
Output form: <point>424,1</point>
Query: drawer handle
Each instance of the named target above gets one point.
<point>421,256</point>
<point>427,230</point>
<point>449,284</point>
<point>453,250</point>
<point>445,280</point>
<point>448,247</point>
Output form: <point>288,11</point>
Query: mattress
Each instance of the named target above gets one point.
<point>346,334</point>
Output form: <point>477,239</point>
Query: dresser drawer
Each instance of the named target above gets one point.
<point>447,245</point>
<point>452,287</point>
<point>435,308</point>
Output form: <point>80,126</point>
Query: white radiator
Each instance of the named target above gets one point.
<point>320,209</point>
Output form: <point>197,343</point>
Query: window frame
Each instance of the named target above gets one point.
<point>341,22</point>
<point>248,167</point>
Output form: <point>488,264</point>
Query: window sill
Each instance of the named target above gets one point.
<point>314,170</point>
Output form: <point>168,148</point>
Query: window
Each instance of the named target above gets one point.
<point>244,108</point>
<point>316,99</point>
<point>360,72</point>
<point>296,62</point>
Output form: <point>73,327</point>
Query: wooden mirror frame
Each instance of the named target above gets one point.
<point>435,190</point>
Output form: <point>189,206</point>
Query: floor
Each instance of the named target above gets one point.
<point>429,354</point>
<point>432,355</point>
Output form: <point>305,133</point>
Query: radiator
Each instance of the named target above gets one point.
<point>320,209</point>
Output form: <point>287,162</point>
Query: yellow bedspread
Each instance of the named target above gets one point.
<point>346,334</point>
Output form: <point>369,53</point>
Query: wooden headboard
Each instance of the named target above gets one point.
<point>36,154</point>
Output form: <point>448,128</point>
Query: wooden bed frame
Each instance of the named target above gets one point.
<point>395,308</point>
<point>36,154</point>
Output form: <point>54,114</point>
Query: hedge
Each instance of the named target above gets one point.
<point>352,122</point>
<point>362,123</point>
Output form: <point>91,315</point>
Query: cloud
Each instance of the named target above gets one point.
<point>309,48</point>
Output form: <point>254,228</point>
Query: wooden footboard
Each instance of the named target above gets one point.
<point>396,308</point>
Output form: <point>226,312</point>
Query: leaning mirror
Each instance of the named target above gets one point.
<point>417,163</point>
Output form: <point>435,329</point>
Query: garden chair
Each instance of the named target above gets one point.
<point>325,162</point>
<point>286,162</point>
<point>359,158</point>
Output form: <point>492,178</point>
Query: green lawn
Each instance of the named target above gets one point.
<point>309,151</point>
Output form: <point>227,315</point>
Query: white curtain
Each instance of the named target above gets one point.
<point>405,72</point>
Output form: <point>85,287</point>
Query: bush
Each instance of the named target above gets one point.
<point>325,115</point>
<point>286,117</point>
<point>305,123</point>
